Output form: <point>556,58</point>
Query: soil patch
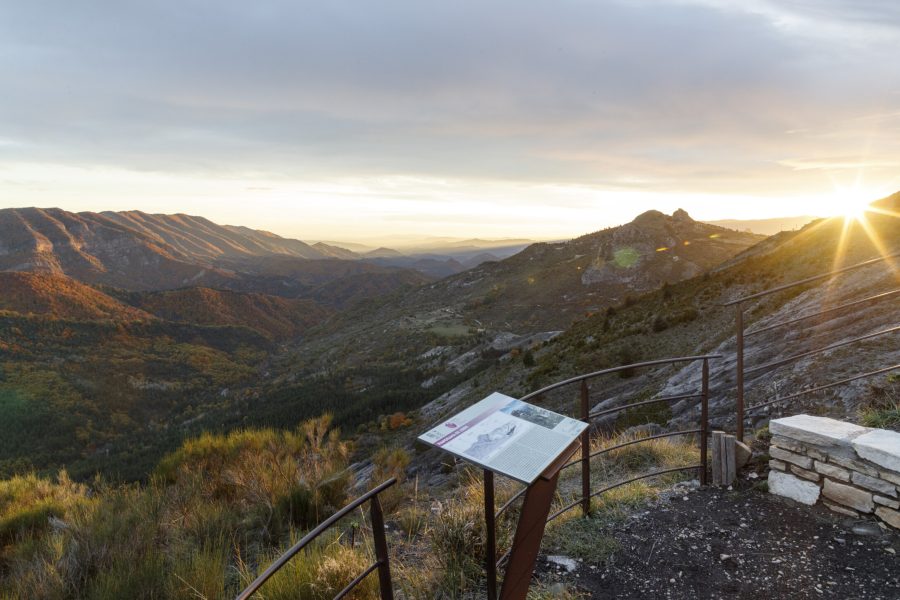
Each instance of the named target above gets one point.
<point>712,543</point>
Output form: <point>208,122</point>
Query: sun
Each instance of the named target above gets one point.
<point>850,205</point>
<point>855,211</point>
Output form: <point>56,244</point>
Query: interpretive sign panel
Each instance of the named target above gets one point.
<point>507,436</point>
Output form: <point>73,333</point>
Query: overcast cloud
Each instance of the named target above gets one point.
<point>691,97</point>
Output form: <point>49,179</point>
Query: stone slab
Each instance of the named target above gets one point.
<point>875,484</point>
<point>804,462</point>
<point>820,431</point>
<point>816,454</point>
<point>895,504</point>
<point>854,465</point>
<point>849,496</point>
<point>892,477</point>
<point>832,471</point>
<point>789,486</point>
<point>840,509</point>
<point>777,464</point>
<point>787,444</point>
<point>805,474</point>
<point>891,517</point>
<point>881,447</point>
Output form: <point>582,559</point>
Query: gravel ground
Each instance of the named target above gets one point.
<point>712,543</point>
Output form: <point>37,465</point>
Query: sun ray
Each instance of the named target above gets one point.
<point>883,211</point>
<point>841,250</point>
<point>879,244</point>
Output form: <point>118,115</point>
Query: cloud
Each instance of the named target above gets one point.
<point>682,96</point>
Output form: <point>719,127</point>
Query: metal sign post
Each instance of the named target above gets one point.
<point>527,443</point>
<point>530,530</point>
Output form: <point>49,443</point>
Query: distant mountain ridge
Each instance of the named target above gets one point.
<point>200,239</point>
<point>766,226</point>
<point>591,271</point>
<point>142,252</point>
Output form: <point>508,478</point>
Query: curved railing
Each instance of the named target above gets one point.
<point>742,334</point>
<point>382,561</point>
<point>585,415</point>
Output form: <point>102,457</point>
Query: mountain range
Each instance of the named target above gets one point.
<point>122,333</point>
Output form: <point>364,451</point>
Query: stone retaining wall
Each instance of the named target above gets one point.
<point>852,470</point>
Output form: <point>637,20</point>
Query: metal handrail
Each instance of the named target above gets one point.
<point>788,286</point>
<point>565,509</point>
<point>609,411</point>
<point>825,387</point>
<point>491,514</point>
<point>639,440</point>
<point>382,560</point>
<point>796,357</point>
<point>741,333</point>
<point>649,363</point>
<point>875,298</point>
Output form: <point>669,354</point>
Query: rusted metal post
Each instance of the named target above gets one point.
<point>585,451</point>
<point>530,530</point>
<point>739,323</point>
<point>381,551</point>
<point>490,553</point>
<point>704,422</point>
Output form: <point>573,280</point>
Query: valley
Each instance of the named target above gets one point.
<point>186,388</point>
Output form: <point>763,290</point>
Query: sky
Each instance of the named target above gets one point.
<point>351,120</point>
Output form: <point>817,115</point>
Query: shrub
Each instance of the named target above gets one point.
<point>660,324</point>
<point>296,476</point>
<point>27,504</point>
<point>528,358</point>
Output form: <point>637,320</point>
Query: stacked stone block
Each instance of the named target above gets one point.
<point>852,470</point>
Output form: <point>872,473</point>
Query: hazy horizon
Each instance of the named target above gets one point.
<point>424,239</point>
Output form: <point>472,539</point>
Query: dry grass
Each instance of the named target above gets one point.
<point>318,573</point>
<point>216,503</point>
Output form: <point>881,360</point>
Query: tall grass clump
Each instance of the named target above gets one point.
<point>271,478</point>
<point>319,572</point>
<point>457,535</point>
<point>883,410</point>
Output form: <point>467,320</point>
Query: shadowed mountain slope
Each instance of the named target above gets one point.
<point>276,317</point>
<point>60,297</point>
<point>142,252</point>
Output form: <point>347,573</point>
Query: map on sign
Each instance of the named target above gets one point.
<point>506,436</point>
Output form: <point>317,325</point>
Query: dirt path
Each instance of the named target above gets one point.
<point>748,544</point>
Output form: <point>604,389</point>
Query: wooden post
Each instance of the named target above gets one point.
<point>729,474</point>
<point>723,459</point>
<point>717,458</point>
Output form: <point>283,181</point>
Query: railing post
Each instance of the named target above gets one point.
<point>739,323</point>
<point>490,553</point>
<point>704,422</point>
<point>381,550</point>
<point>585,451</point>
